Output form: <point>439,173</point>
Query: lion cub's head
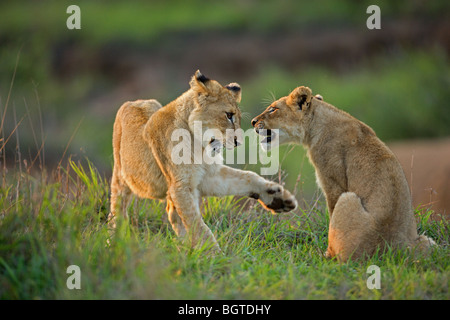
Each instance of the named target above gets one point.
<point>288,115</point>
<point>216,108</point>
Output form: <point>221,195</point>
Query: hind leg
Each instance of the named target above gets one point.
<point>120,199</point>
<point>351,232</point>
<point>174,218</point>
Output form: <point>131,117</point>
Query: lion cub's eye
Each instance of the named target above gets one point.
<point>230,116</point>
<point>272,110</point>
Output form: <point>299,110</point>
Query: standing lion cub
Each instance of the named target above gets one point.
<point>366,191</point>
<point>144,150</point>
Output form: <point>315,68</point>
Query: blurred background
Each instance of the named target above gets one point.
<point>60,89</point>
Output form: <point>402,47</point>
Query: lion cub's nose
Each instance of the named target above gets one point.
<point>254,121</point>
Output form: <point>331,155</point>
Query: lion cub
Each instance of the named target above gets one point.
<point>366,191</point>
<point>144,164</point>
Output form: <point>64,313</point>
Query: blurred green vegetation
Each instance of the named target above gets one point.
<point>146,21</point>
<point>402,92</point>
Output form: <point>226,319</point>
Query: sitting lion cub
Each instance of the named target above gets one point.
<point>366,191</point>
<point>143,164</point>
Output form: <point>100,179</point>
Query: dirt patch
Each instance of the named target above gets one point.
<point>427,168</point>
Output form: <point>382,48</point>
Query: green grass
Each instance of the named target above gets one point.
<point>48,223</point>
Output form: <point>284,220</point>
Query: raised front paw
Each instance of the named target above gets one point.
<point>276,199</point>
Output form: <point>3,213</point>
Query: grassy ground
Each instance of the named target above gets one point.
<point>49,222</point>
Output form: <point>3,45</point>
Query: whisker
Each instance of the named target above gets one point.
<point>245,115</point>
<point>270,98</point>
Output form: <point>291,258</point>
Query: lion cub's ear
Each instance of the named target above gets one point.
<point>198,82</point>
<point>235,90</point>
<point>301,97</point>
<point>204,85</point>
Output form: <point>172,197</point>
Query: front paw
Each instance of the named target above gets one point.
<point>276,199</point>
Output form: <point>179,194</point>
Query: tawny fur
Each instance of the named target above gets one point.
<point>143,164</point>
<point>367,194</point>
